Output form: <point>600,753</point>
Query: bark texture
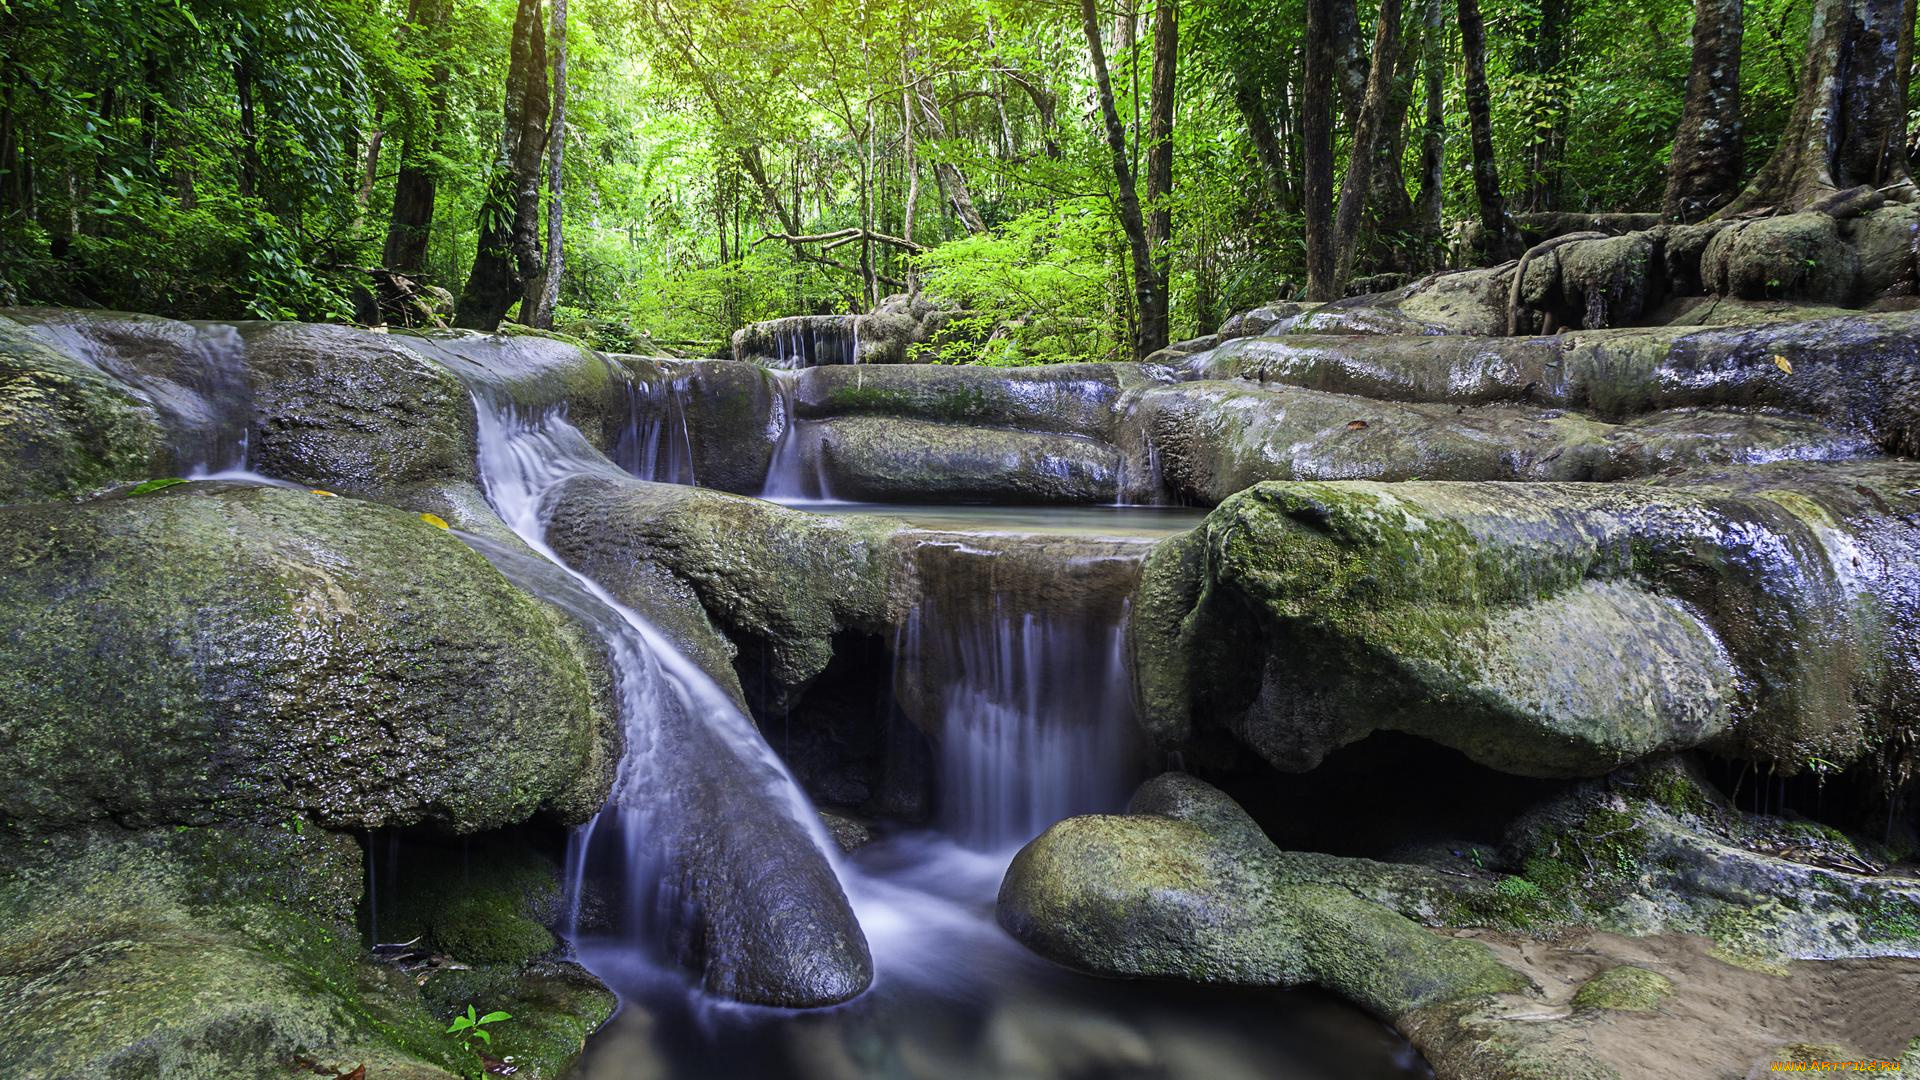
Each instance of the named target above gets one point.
<point>509,249</point>
<point>1707,148</point>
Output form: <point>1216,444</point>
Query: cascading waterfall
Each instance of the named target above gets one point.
<point>796,474</point>
<point>656,443</point>
<point>1018,656</point>
<point>695,786</point>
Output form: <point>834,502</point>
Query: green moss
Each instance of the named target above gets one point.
<point>1624,989</point>
<point>64,427</point>
<point>1889,918</point>
<point>159,484</point>
<point>488,928</point>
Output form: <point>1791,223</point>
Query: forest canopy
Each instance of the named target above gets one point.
<point>1095,178</point>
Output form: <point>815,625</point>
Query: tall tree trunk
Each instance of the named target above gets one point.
<point>1709,144</point>
<point>912,163</point>
<point>1849,122</point>
<point>1350,59</point>
<point>953,182</point>
<point>547,297</point>
<point>1149,292</point>
<point>508,252</point>
<point>1433,133</point>
<point>1358,183</point>
<point>415,186</point>
<point>1496,241</point>
<point>1316,107</point>
<point>1166,47</point>
<point>1541,59</point>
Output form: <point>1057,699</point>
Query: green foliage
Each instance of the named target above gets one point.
<point>472,1028</point>
<point>157,484</point>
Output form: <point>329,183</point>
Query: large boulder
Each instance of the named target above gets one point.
<point>1187,887</point>
<point>210,652</point>
<point>1542,629</point>
<point>883,459</point>
<point>1068,399</point>
<point>1859,374</point>
<point>1211,439</point>
<point>65,426</point>
<point>783,580</point>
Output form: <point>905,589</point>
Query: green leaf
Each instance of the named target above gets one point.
<point>493,1016</point>
<point>481,1034</point>
<point>156,485</point>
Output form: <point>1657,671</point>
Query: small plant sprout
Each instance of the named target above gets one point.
<point>473,1027</point>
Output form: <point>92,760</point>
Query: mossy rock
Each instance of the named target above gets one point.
<point>212,953</point>
<point>65,427</point>
<point>1623,989</point>
<point>488,928</point>
<point>883,459</point>
<point>214,652</point>
<point>1203,897</point>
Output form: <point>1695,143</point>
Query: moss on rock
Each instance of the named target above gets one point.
<point>212,652</point>
<point>65,427</point>
<point>1623,989</point>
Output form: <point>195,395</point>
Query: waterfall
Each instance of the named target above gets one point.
<point>656,443</point>
<point>1016,656</point>
<point>699,832</point>
<point>796,473</point>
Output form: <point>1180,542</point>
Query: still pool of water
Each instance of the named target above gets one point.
<point>1119,522</point>
<point>955,998</point>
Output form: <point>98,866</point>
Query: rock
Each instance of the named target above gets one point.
<point>1454,302</point>
<point>1201,899</point>
<point>1795,256</point>
<point>798,341</point>
<point>1067,399</point>
<point>1859,374</point>
<point>1623,989</point>
<point>1540,629</point>
<point>887,460</point>
<point>537,371</point>
<point>761,573</point>
<point>210,652</point>
<point>65,427</point>
<point>1259,320</point>
<point>1212,439</point>
<point>354,412</point>
<point>733,415</point>
<point>223,952</point>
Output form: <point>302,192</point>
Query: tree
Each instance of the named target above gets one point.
<point>1707,148</point>
<point>1849,121</point>
<point>1496,231</point>
<point>1166,48</point>
<point>416,184</point>
<point>1357,186</point>
<point>508,252</point>
<point>544,291</point>
<point>1149,291</point>
<point>1316,122</point>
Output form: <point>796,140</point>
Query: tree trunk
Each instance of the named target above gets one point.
<point>1433,134</point>
<point>1707,148</point>
<point>1351,61</point>
<point>1849,122</point>
<point>243,88</point>
<point>1316,122</point>
<point>1391,218</point>
<point>1149,293</point>
<point>1496,241</point>
<point>953,182</point>
<point>1541,59</point>
<point>547,298</point>
<point>508,252</point>
<point>1166,14</point>
<point>415,185</point>
<point>1358,183</point>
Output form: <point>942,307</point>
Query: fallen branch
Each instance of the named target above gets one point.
<point>840,236</point>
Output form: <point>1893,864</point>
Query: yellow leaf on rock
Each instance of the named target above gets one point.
<point>328,494</point>
<point>1783,364</point>
<point>435,520</point>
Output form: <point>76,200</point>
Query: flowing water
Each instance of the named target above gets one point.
<point>656,444</point>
